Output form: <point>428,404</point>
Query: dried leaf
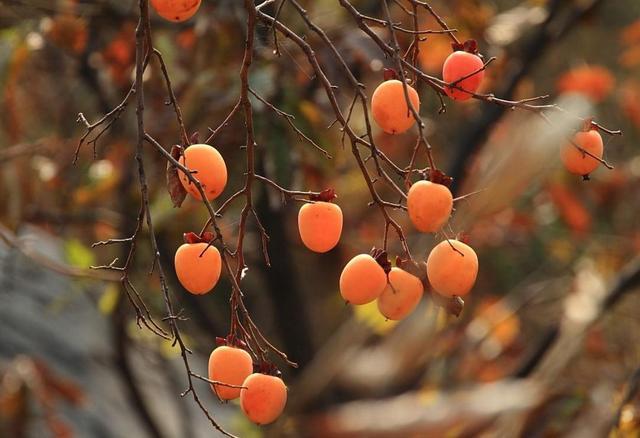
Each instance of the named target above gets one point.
<point>174,186</point>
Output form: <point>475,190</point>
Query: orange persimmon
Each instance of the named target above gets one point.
<point>320,225</point>
<point>429,205</point>
<point>362,280</point>
<point>208,168</point>
<point>176,10</point>
<point>401,296</point>
<point>460,65</point>
<point>389,107</point>
<point>452,267</point>
<point>198,267</point>
<point>577,161</point>
<point>229,365</point>
<point>263,398</point>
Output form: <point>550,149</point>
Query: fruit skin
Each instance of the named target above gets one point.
<point>229,365</point>
<point>198,274</point>
<point>458,65</point>
<point>429,205</point>
<point>320,225</point>
<point>451,273</point>
<point>362,280</point>
<point>176,10</point>
<point>401,296</point>
<point>263,398</point>
<point>389,107</point>
<point>576,161</point>
<point>210,169</point>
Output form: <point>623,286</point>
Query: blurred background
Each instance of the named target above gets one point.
<point>548,343</point>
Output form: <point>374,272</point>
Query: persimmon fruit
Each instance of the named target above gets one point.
<point>362,280</point>
<point>229,365</point>
<point>263,398</point>
<point>320,225</point>
<point>459,65</point>
<point>198,267</point>
<point>429,205</point>
<point>401,296</point>
<point>578,162</point>
<point>389,107</point>
<point>176,10</point>
<point>452,267</point>
<point>208,168</point>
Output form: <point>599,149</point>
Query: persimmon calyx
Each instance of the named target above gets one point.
<point>437,176</point>
<point>205,237</point>
<point>231,341</point>
<point>389,74</point>
<point>269,369</point>
<point>327,195</point>
<point>382,258</point>
<point>469,46</point>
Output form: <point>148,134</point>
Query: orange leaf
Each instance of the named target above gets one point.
<point>570,208</point>
<point>593,81</point>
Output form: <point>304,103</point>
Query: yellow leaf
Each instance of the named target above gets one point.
<point>109,299</point>
<point>371,316</point>
<point>310,112</point>
<point>170,351</point>
<point>77,254</point>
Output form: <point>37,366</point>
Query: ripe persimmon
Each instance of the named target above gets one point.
<point>401,296</point>
<point>578,162</point>
<point>263,398</point>
<point>176,10</point>
<point>459,65</point>
<point>452,267</point>
<point>362,280</point>
<point>208,167</point>
<point>320,225</point>
<point>229,365</point>
<point>198,267</point>
<point>389,107</point>
<point>429,205</point>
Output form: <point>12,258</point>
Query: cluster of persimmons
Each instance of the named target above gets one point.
<point>451,267</point>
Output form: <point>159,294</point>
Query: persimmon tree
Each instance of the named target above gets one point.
<point>420,186</point>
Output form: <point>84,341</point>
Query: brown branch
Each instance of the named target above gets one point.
<point>143,38</point>
<point>289,119</point>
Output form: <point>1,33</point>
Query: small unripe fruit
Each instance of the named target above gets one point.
<point>229,365</point>
<point>263,398</point>
<point>362,280</point>
<point>452,271</point>
<point>458,65</point>
<point>401,296</point>
<point>176,10</point>
<point>429,205</point>
<point>198,267</point>
<point>209,168</point>
<point>389,107</point>
<point>320,225</point>
<point>576,161</point>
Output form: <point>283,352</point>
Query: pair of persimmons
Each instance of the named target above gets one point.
<point>262,397</point>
